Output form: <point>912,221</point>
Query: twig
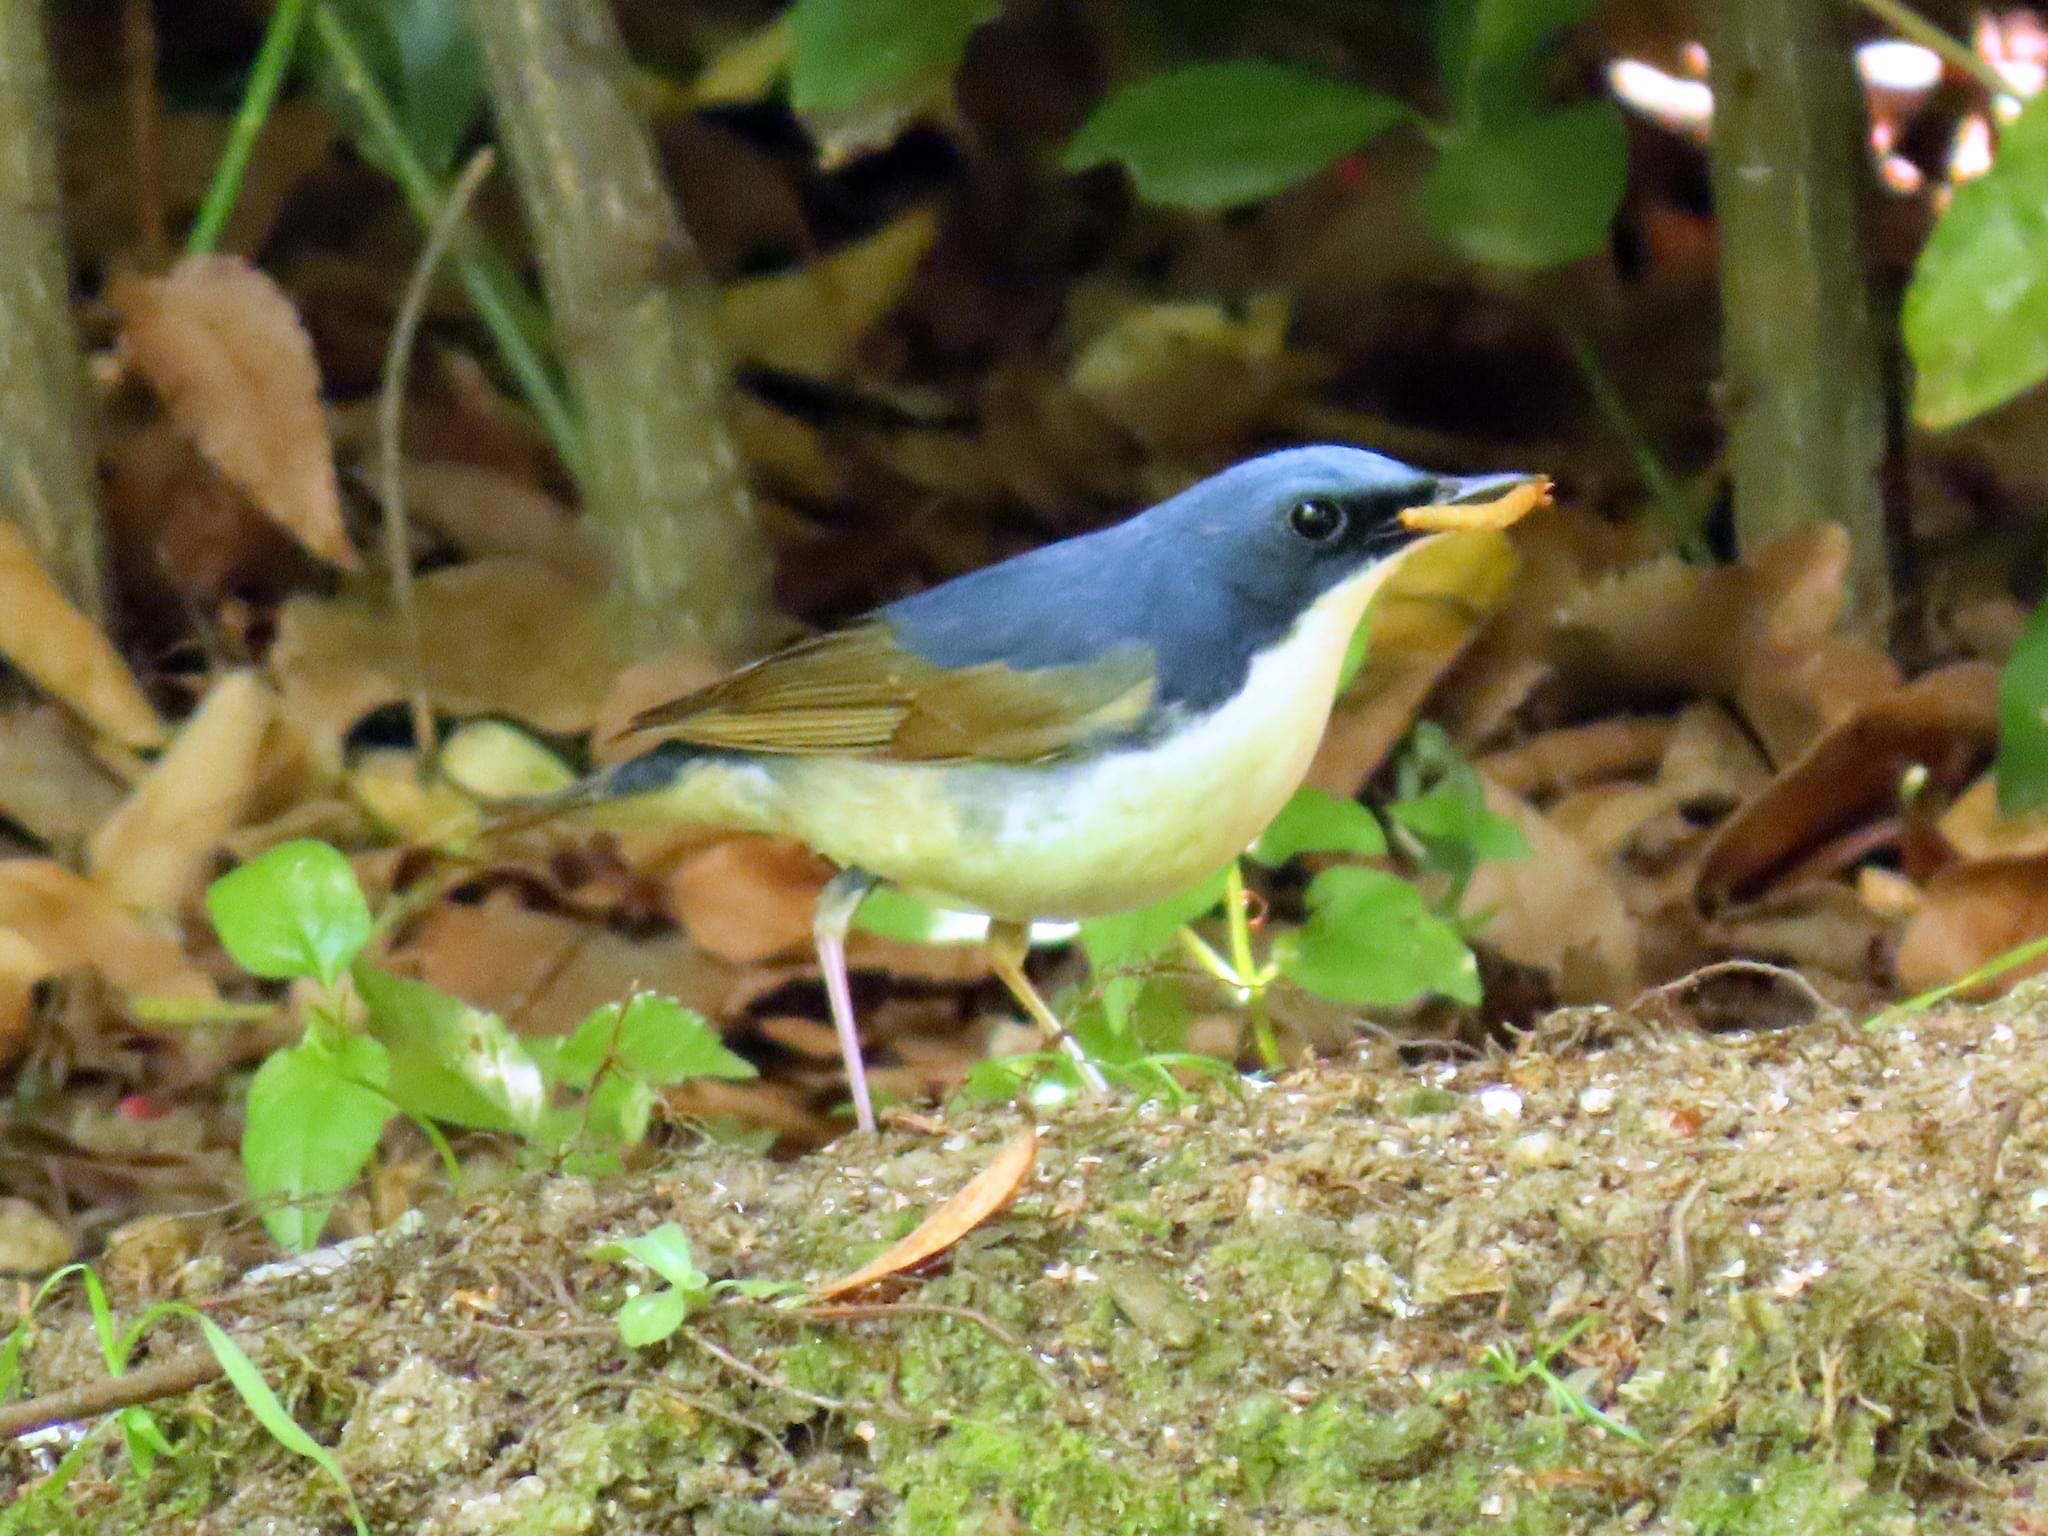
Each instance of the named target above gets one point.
<point>833,1311</point>
<point>1987,1174</point>
<point>771,1383</point>
<point>1822,1008</point>
<point>390,413</point>
<point>145,131</point>
<point>144,1385</point>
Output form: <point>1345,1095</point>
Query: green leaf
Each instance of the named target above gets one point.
<point>893,915</point>
<point>1453,816</point>
<point>143,1438</point>
<point>1316,821</point>
<point>10,1359</point>
<point>651,1036</point>
<point>425,57</point>
<point>312,1123</point>
<point>846,53</point>
<point>667,1043</point>
<point>1217,135</point>
<point>256,1395</point>
<point>294,911</point>
<point>666,1251</point>
<point>1532,193</point>
<point>449,1061</point>
<point>1490,51</point>
<point>621,1107</point>
<point>1371,940</point>
<point>2022,766</point>
<point>649,1319</point>
<point>1125,941</point>
<point>1975,316</point>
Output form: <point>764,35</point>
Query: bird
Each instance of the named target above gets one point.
<point>1078,730</point>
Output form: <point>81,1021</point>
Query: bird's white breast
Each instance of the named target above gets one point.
<point>1100,834</point>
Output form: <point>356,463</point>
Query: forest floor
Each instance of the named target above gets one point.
<point>1804,1269</point>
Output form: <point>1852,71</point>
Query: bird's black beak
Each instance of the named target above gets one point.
<point>1478,501</point>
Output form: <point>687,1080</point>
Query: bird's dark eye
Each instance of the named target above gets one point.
<point>1316,519</point>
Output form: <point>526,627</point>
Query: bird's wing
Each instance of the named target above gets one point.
<point>858,692</point>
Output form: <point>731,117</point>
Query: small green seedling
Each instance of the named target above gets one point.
<point>142,1437</point>
<point>378,1045</point>
<point>1504,1367</point>
<point>652,1316</point>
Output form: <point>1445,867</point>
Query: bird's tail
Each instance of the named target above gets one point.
<point>673,784</point>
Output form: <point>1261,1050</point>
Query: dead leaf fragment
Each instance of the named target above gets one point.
<point>75,925</point>
<point>1593,954</point>
<point>1970,914</point>
<point>64,652</point>
<point>507,636</point>
<point>1945,721</point>
<point>810,321</point>
<point>158,848</point>
<point>226,351</point>
<point>749,898</point>
<point>979,1199</point>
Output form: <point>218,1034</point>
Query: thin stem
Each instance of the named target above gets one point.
<point>1237,915</point>
<point>145,131</point>
<point>507,311</point>
<point>1954,52</point>
<point>1203,955</point>
<point>266,79</point>
<point>390,412</point>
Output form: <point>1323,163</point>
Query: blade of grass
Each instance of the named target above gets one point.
<point>266,79</point>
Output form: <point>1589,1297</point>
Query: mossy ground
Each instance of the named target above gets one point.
<point>1812,1271</point>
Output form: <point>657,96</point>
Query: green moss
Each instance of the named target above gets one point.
<point>1047,1479</point>
<point>1314,1460</point>
<point>1280,1272</point>
<point>1790,1495</point>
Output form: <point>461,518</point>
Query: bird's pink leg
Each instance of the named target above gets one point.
<point>837,903</point>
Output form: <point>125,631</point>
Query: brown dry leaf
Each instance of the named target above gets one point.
<point>811,321</point>
<point>508,636</point>
<point>1573,756</point>
<point>158,849</point>
<point>1759,634</point>
<point>979,1199</point>
<point>1972,913</point>
<point>226,351</point>
<point>1190,377</point>
<point>21,966</point>
<point>76,925</point>
<point>1945,721</point>
<point>1592,953</point>
<point>49,783</point>
<point>543,971</point>
<point>487,511</point>
<point>63,652</point>
<point>1975,829</point>
<point>749,898</point>
<point>1434,602</point>
<point>642,685</point>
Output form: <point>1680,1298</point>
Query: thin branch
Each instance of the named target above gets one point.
<point>390,415</point>
<point>146,1384</point>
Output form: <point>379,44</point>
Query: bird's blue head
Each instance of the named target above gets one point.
<point>1205,581</point>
